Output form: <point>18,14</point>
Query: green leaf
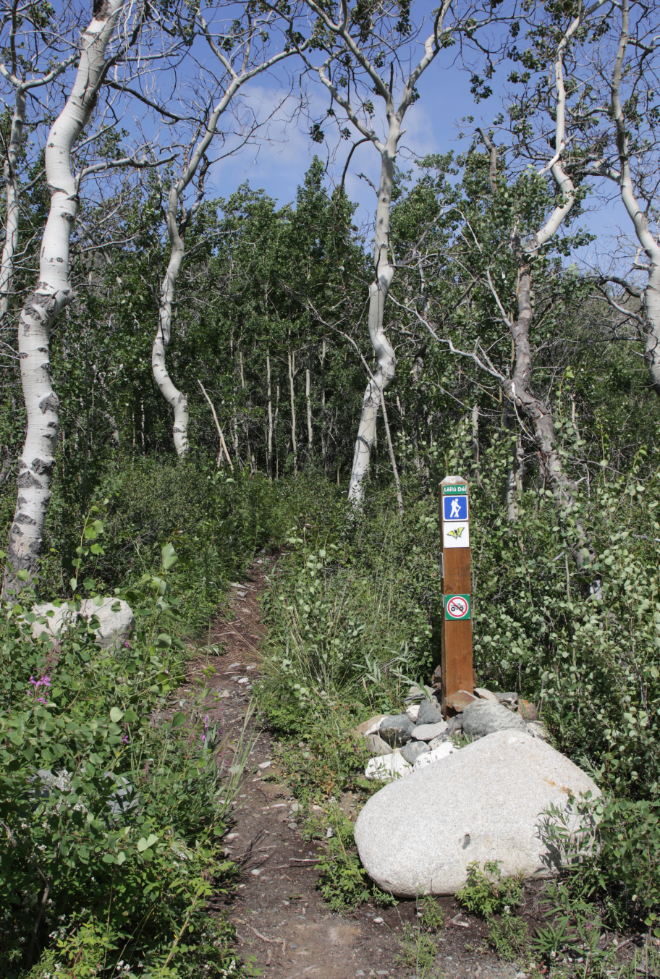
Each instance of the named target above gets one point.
<point>168,557</point>
<point>179,719</point>
<point>73,583</point>
<point>116,715</point>
<point>145,844</point>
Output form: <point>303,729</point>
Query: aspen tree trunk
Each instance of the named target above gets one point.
<point>11,192</point>
<point>269,439</point>
<point>277,412</point>
<point>175,398</point>
<point>176,229</point>
<point>52,293</point>
<point>378,291</point>
<point>324,436</point>
<point>308,398</point>
<point>475,444</point>
<point>294,445</point>
<point>10,174</point>
<point>646,238</point>
<point>384,271</point>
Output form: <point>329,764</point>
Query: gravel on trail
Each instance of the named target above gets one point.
<point>282,924</point>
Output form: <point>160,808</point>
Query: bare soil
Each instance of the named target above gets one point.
<point>283,926</point>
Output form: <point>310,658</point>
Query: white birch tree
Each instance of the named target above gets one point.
<point>235,52</point>
<point>52,293</point>
<point>26,54</point>
<point>634,167</point>
<point>358,48</point>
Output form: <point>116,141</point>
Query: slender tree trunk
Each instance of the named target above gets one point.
<point>11,191</point>
<point>292,374</point>
<point>308,399</point>
<point>277,412</point>
<point>378,292</point>
<point>646,238</point>
<point>475,444</point>
<point>539,413</point>
<point>52,293</point>
<point>269,438</point>
<point>324,437</point>
<point>390,447</point>
<point>175,398</point>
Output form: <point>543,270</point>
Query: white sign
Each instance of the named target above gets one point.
<point>455,535</point>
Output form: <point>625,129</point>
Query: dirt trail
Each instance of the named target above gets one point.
<point>282,923</point>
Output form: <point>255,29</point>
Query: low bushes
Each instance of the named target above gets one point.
<point>112,808</point>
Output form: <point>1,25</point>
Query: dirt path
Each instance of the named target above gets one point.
<point>282,923</point>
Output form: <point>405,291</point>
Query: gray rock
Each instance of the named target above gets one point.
<point>413,750</point>
<point>509,700</point>
<point>396,729</point>
<point>415,693</point>
<point>436,742</point>
<point>114,625</point>
<point>454,725</point>
<point>538,730</point>
<point>429,712</point>
<point>484,802</point>
<point>482,718</point>
<point>377,746</point>
<point>427,732</point>
<point>484,694</point>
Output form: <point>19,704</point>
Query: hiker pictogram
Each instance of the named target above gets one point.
<point>455,507</point>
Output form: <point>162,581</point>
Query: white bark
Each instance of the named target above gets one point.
<point>645,236</point>
<point>269,439</point>
<point>176,228</point>
<point>384,270</point>
<point>378,291</point>
<point>10,174</point>
<point>292,374</point>
<point>308,398</point>
<point>11,191</point>
<point>52,293</point>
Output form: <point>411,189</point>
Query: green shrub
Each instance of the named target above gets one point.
<point>112,807</point>
<point>486,893</point>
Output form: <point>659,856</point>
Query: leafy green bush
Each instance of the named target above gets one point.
<point>216,522</point>
<point>486,892</point>
<point>112,807</point>
<point>613,864</point>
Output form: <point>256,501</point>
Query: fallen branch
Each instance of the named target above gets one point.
<point>275,941</point>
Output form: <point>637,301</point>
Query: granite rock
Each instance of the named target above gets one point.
<point>483,802</point>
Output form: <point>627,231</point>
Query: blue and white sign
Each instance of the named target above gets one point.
<point>455,508</point>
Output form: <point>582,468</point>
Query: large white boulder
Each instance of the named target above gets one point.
<point>115,617</point>
<point>484,802</point>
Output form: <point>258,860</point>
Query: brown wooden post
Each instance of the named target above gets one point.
<point>456,588</point>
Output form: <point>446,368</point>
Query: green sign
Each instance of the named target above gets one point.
<point>454,489</point>
<point>457,607</point>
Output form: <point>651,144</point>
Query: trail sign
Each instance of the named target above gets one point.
<point>456,587</point>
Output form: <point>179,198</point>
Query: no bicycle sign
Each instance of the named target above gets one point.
<point>457,606</point>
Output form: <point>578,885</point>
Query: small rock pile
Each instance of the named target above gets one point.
<point>403,743</point>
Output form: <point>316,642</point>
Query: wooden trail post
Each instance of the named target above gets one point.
<point>456,588</point>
